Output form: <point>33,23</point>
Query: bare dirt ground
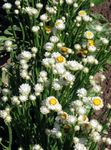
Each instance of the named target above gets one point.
<point>104,9</point>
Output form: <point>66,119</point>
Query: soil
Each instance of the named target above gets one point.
<point>104,9</point>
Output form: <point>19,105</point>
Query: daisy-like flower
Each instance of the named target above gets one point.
<point>97,103</point>
<point>82,119</point>
<point>59,24</point>
<point>65,50</point>
<point>60,59</point>
<point>89,35</point>
<point>63,115</point>
<point>53,104</point>
<point>82,13</point>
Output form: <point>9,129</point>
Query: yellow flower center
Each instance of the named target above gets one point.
<point>64,49</point>
<point>60,59</point>
<point>84,117</point>
<point>97,102</point>
<point>91,42</point>
<point>48,29</point>
<point>89,34</point>
<point>64,116</point>
<point>53,101</point>
<point>85,51</point>
<point>57,23</point>
<point>82,13</point>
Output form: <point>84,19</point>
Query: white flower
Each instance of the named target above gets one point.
<point>104,41</point>
<point>54,39</point>
<point>15,100</point>
<point>98,28</point>
<point>16,11</point>
<point>4,98</point>
<point>89,35</point>
<point>92,4</point>
<point>44,17</point>
<point>81,110</point>
<point>44,110</point>
<point>35,29</point>
<point>8,43</point>
<point>74,65</point>
<point>31,11</point>
<point>96,88</point>
<point>56,1</point>
<point>7,6</point>
<point>25,89</point>
<point>94,123</point>
<point>39,5</point>
<point>49,46</point>
<point>8,119</point>
<point>52,103</point>
<point>82,119</point>
<point>108,141</point>
<point>75,5</point>
<point>3,114</point>
<point>56,85</point>
<point>37,147</point>
<point>32,97</point>
<point>20,148</point>
<point>69,2</point>
<point>77,103</point>
<point>24,74</point>
<point>96,136</point>
<point>91,59</point>
<point>97,103</point>
<point>59,69</point>
<point>60,24</point>
<point>70,78</point>
<point>77,128</point>
<point>86,18</point>
<point>77,46</point>
<point>38,89</point>
<point>17,3</point>
<point>78,19</point>
<point>82,92</point>
<point>26,55</point>
<point>23,98</point>
<point>71,119</point>
<point>80,146</point>
<point>76,140</point>
<point>34,50</point>
<point>92,48</point>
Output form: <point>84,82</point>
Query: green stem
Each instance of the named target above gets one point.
<point>10,137</point>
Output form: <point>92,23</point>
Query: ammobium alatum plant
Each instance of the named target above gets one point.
<point>52,86</point>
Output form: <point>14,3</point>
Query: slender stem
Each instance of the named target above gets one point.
<point>10,137</point>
